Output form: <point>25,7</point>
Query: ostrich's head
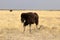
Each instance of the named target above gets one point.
<point>22,18</point>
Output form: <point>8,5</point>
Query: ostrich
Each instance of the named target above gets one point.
<point>28,19</point>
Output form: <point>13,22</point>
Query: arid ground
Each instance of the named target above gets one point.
<point>11,27</point>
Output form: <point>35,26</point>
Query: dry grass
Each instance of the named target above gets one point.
<point>11,27</point>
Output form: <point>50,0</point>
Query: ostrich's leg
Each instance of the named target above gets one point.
<point>36,27</point>
<point>36,24</point>
<point>30,28</point>
<point>24,29</point>
<point>24,26</point>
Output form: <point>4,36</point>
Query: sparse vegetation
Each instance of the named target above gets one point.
<point>11,27</point>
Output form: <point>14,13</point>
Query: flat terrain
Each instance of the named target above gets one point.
<point>11,27</point>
